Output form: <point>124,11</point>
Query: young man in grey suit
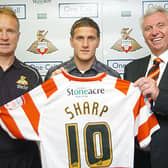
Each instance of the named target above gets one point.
<point>155,32</point>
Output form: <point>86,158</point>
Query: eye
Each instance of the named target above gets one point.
<point>11,31</point>
<point>148,28</point>
<point>160,25</point>
<point>91,38</point>
<point>79,37</point>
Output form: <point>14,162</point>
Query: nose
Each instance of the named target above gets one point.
<point>155,31</point>
<point>85,43</point>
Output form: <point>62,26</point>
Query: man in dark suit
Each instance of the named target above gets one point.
<point>155,32</point>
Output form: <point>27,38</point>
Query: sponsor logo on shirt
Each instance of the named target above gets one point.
<point>84,92</point>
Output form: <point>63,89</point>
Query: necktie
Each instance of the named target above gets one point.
<point>154,72</point>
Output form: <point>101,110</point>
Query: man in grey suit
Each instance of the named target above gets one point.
<point>155,32</point>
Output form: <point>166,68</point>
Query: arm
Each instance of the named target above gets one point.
<point>161,103</point>
<point>148,87</point>
<point>57,71</point>
<point>54,71</point>
<point>12,118</point>
<point>38,80</point>
<point>21,110</point>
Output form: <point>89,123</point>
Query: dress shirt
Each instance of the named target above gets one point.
<point>97,67</point>
<point>162,65</point>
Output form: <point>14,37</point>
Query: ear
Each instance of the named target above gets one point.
<point>98,43</point>
<point>71,42</point>
<point>18,36</point>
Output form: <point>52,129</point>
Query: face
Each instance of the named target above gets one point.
<point>155,31</point>
<point>85,41</point>
<point>9,35</point>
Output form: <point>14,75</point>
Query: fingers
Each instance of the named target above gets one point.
<point>141,81</point>
<point>62,69</point>
<point>148,87</point>
<point>58,71</point>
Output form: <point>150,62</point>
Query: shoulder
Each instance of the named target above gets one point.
<point>27,68</point>
<point>101,67</point>
<point>139,61</point>
<point>67,65</point>
<point>136,69</point>
<point>29,71</point>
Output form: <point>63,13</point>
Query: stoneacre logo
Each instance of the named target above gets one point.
<point>84,92</point>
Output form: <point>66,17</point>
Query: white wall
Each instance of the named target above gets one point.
<point>56,17</point>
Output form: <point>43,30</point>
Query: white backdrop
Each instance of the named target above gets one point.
<point>45,27</point>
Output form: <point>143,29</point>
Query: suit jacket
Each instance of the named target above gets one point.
<point>159,143</point>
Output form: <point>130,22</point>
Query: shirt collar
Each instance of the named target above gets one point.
<point>94,65</point>
<point>73,65</point>
<point>163,56</point>
<point>16,63</point>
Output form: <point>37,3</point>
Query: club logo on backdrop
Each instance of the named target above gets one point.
<point>126,43</point>
<point>42,45</point>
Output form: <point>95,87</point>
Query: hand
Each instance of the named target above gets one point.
<point>58,71</point>
<point>148,87</point>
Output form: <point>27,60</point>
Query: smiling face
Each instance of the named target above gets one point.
<point>155,31</point>
<point>85,41</point>
<point>9,35</point>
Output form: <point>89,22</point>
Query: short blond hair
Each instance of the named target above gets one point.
<point>5,10</point>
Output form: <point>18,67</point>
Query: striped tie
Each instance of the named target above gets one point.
<point>155,70</point>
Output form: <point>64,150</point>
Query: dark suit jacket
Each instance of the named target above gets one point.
<point>159,144</point>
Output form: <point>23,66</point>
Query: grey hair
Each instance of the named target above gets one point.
<point>153,10</point>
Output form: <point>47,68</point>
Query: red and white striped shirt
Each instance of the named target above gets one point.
<point>82,122</point>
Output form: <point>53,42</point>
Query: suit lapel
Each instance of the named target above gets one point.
<point>144,65</point>
<point>164,80</point>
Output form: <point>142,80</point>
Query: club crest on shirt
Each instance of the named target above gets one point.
<point>22,83</point>
<point>42,45</point>
<point>14,104</point>
<point>126,43</point>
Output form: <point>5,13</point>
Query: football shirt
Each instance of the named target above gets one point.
<point>82,122</point>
